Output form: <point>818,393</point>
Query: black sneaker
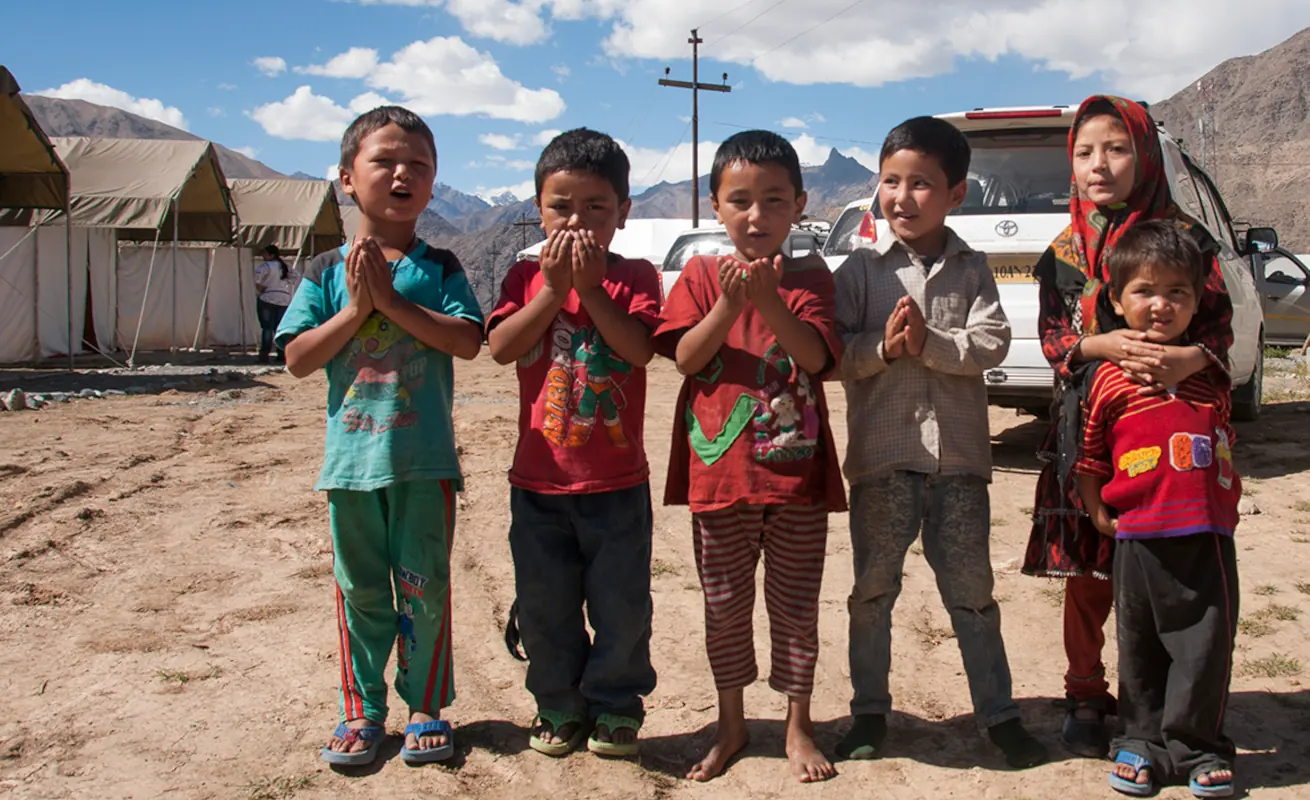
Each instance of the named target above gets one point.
<point>1083,732</point>
<point>1021,748</point>
<point>865,738</point>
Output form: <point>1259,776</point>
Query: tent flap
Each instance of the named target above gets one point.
<point>294,215</point>
<point>31,175</point>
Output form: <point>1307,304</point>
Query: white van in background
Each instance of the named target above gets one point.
<point>1018,202</point>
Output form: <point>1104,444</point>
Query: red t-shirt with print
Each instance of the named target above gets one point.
<point>581,406</point>
<point>752,428</point>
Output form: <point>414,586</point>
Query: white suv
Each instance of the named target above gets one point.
<point>1018,202</point>
<point>713,240</point>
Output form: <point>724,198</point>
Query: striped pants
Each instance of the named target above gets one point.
<point>728,545</point>
<point>391,557</point>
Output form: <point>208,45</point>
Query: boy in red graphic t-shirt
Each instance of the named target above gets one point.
<point>752,452</point>
<point>578,324</point>
<point>1156,473</point>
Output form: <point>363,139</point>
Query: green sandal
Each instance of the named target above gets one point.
<point>614,722</point>
<point>557,720</point>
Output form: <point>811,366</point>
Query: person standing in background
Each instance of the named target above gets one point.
<point>276,283</point>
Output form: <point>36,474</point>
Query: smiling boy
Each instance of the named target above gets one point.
<point>921,321</point>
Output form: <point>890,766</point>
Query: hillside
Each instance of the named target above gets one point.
<point>1260,149</point>
<point>80,118</point>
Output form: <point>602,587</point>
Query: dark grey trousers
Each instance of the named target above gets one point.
<point>592,550</point>
<point>1176,601</point>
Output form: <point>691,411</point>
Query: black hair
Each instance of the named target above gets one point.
<point>934,138</point>
<point>377,119</point>
<point>274,254</point>
<point>1161,243</point>
<point>756,147</point>
<point>1101,107</point>
<point>585,150</point>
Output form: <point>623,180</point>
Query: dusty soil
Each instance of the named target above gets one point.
<point>166,621</point>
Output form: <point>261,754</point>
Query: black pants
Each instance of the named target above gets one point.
<point>1176,601</point>
<point>270,316</point>
<point>575,553</point>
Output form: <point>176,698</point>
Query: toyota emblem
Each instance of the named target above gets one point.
<point>1007,227</point>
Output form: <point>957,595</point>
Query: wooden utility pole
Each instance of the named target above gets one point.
<point>696,86</point>
<point>523,224</point>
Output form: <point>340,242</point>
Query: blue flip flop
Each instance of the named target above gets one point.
<point>427,756</point>
<point>1125,786</point>
<point>373,734</point>
<point>1224,789</point>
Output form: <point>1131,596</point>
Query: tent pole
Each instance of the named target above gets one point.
<point>68,277</point>
<point>204,301</point>
<point>172,335</point>
<point>241,289</point>
<point>145,295</point>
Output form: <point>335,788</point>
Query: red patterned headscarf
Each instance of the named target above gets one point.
<point>1093,230</point>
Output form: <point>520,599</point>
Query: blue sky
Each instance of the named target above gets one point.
<point>495,78</point>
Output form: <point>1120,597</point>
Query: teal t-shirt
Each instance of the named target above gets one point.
<point>390,396</point>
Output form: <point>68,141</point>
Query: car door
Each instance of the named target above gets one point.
<point>1284,284</point>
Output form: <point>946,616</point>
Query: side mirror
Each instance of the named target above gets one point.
<point>1261,240</point>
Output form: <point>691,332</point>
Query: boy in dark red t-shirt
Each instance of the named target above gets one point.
<point>1162,464</point>
<point>752,452</point>
<point>578,324</point>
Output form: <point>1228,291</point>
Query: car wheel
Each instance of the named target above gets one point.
<point>1248,397</point>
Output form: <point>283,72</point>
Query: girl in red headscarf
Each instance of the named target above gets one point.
<point>1119,180</point>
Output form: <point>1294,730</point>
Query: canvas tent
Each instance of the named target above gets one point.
<point>147,190</point>
<point>350,220</point>
<point>32,177</point>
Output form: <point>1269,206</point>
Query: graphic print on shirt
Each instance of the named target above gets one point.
<point>782,414</point>
<point>1223,451</point>
<point>1136,462</point>
<point>584,384</point>
<point>1188,451</point>
<point>388,367</point>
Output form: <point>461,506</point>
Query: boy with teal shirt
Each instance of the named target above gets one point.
<point>383,316</point>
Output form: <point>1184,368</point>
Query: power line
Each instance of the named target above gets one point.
<point>807,30</point>
<point>732,10</point>
<point>812,136</point>
<point>667,158</point>
<point>735,30</point>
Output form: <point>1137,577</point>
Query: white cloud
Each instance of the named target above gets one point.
<point>226,87</point>
<point>357,62</point>
<point>653,165</point>
<point>793,122</point>
<point>248,152</point>
<point>817,118</point>
<point>100,94</point>
<point>812,152</point>
<point>499,141</point>
<point>1169,43</point>
<point>303,115</point>
<point>272,66</point>
<point>332,172</point>
<point>543,137</point>
<point>500,20</point>
<point>215,111</point>
<point>368,101</point>
<point>561,71</point>
<point>444,75</point>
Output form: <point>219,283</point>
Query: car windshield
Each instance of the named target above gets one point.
<point>841,242</point>
<point>710,243</point>
<point>1018,172</point>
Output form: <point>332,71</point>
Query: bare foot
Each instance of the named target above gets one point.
<point>428,742</point>
<point>808,764</point>
<point>338,745</point>
<point>547,733</point>
<point>728,742</point>
<point>1130,773</point>
<point>1215,777</point>
<point>620,736</point>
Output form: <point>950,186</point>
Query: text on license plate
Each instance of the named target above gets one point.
<point>1012,269</point>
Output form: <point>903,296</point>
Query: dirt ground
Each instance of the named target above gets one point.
<point>166,618</point>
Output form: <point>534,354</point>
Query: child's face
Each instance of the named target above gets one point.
<point>392,176</point>
<point>1104,162</point>
<point>1157,298</point>
<point>575,200</point>
<point>915,196</point>
<point>758,204</point>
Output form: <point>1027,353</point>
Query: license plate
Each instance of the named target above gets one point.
<point>1012,269</point>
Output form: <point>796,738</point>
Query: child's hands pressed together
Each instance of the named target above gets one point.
<point>358,296</point>
<point>916,328</point>
<point>762,279</point>
<point>894,332</point>
<point>376,270</point>
<point>732,280</point>
<point>557,262</point>
<point>588,262</point>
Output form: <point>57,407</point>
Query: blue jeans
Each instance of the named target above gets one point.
<point>953,512</point>
<point>592,549</point>
<point>270,316</point>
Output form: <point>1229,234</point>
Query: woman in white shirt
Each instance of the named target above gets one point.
<point>276,282</point>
